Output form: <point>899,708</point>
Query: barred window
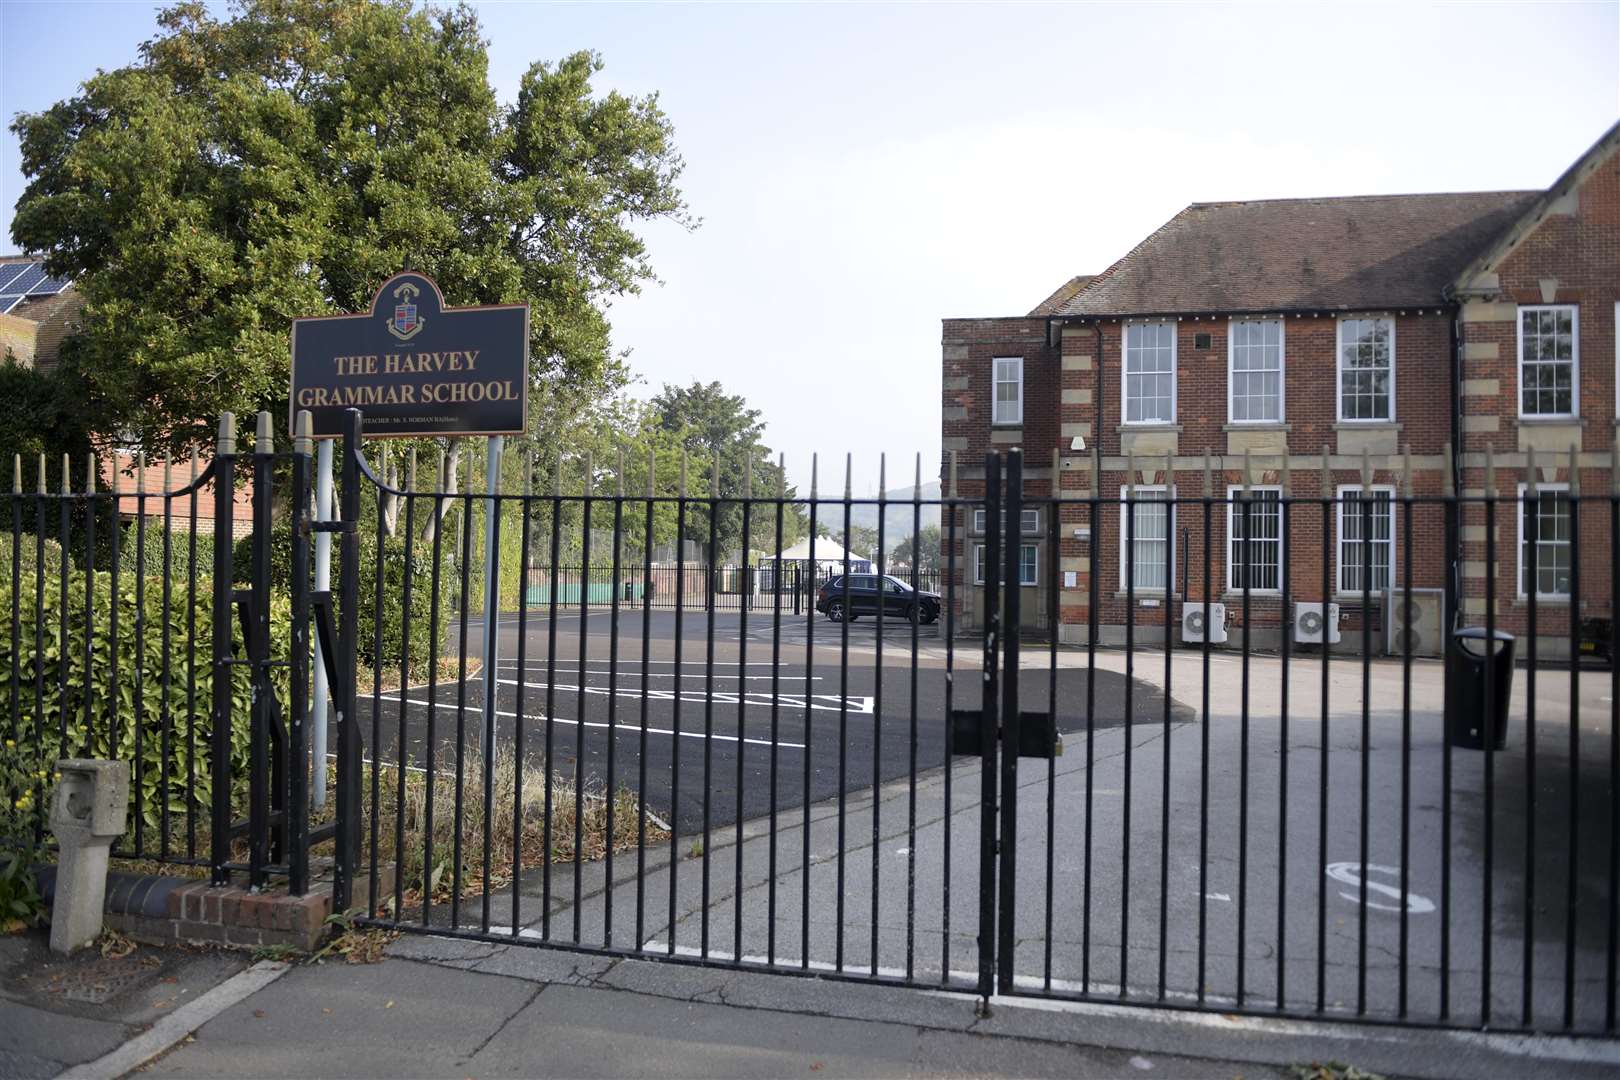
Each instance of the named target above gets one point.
<point>1262,569</point>
<point>1355,540</point>
<point>1150,373</point>
<point>1255,371</point>
<point>1366,369</point>
<point>1148,556</point>
<point>1545,526</point>
<point>1549,360</point>
<point>1028,564</point>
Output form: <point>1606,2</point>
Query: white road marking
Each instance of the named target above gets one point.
<point>1217,896</point>
<point>563,661</point>
<point>626,728</point>
<point>1350,873</point>
<point>174,1027</point>
<point>629,672</point>
<point>817,702</point>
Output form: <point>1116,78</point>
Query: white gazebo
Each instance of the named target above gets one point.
<point>829,559</point>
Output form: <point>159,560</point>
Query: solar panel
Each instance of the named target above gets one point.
<point>10,272</point>
<point>50,286</point>
<point>26,281</point>
<point>7,302</point>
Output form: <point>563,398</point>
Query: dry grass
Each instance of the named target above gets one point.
<point>512,827</point>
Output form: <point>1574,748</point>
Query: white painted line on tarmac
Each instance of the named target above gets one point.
<point>628,671</point>
<point>816,702</point>
<point>626,728</point>
<point>563,661</point>
<point>174,1027</point>
<point>1350,873</point>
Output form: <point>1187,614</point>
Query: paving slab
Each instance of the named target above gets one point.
<point>396,1018</point>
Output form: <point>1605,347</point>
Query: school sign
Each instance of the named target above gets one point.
<point>413,366</point>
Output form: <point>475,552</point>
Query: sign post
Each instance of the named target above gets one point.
<point>414,368</point>
<point>492,601</point>
<point>323,582</point>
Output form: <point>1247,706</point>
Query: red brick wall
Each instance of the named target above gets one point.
<point>1571,257</point>
<point>1422,368</point>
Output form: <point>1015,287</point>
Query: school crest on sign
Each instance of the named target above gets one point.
<point>406,324</point>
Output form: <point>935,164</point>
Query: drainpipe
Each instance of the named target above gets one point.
<point>1098,399</point>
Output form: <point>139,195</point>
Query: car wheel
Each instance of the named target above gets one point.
<point>931,616</point>
<point>835,611</point>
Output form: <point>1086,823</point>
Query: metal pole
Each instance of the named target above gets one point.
<point>323,582</point>
<point>492,480</point>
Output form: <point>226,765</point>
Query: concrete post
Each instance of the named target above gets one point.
<point>87,814</point>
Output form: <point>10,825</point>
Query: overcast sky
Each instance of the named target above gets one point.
<point>864,171</point>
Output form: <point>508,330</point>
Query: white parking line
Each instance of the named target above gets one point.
<point>626,728</point>
<point>817,702</point>
<point>563,660</point>
<point>628,672</point>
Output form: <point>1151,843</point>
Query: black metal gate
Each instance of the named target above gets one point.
<point>1286,831</point>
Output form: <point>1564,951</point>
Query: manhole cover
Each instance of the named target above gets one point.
<point>96,981</point>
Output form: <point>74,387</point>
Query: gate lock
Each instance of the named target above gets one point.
<point>1037,734</point>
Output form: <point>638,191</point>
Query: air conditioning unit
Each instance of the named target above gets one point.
<point>1192,622</point>
<point>1312,624</point>
<point>1418,621</point>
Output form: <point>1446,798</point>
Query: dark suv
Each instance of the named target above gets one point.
<point>868,591</point>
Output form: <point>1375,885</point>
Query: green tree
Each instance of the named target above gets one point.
<point>862,540</point>
<point>285,159</point>
<point>726,441</point>
<point>924,552</point>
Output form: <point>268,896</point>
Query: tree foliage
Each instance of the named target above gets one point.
<point>726,439</point>
<point>921,551</point>
<point>285,159</point>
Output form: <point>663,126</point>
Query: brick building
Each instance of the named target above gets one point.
<point>1312,338</point>
<point>37,314</point>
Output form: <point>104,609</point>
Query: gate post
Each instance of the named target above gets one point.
<point>1013,576</point>
<point>224,469</point>
<point>298,764</point>
<point>988,726</point>
<point>256,647</point>
<point>348,749</point>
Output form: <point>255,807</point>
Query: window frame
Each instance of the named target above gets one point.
<point>1233,514</point>
<point>1522,565</point>
<point>1282,371</point>
<point>1169,492</point>
<point>1342,494</point>
<point>976,527</point>
<point>1125,374</point>
<point>1338,370</point>
<point>1574,361</point>
<point>978,564</point>
<point>996,382</point>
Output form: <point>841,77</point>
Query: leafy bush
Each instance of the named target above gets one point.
<point>180,556</point>
<point>22,791</point>
<point>390,612</point>
<point>96,710</point>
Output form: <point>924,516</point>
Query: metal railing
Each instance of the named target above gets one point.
<point>1283,824</point>
<point>1203,788</point>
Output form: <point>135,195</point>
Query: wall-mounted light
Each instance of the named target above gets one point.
<point>1077,443</point>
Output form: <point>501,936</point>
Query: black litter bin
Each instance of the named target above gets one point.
<point>1466,722</point>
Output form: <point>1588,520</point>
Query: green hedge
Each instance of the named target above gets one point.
<point>392,608</point>
<point>110,703</point>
